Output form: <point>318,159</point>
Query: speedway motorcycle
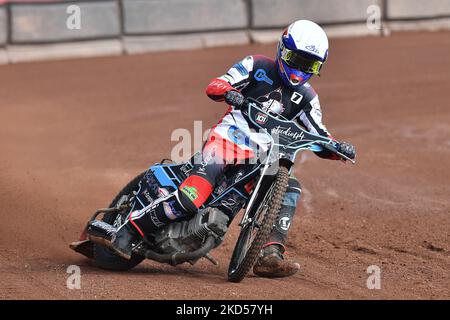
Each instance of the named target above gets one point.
<point>257,187</point>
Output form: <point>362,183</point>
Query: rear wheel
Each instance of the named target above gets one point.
<point>256,233</point>
<point>104,257</point>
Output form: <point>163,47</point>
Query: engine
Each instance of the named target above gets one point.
<point>185,236</point>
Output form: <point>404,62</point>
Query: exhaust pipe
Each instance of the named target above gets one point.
<point>180,257</point>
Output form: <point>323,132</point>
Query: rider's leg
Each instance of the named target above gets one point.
<point>190,196</point>
<point>226,144</point>
<point>272,263</point>
<point>197,188</point>
<point>185,201</point>
<point>218,152</point>
<point>141,222</point>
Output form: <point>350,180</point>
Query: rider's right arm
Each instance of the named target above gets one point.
<point>237,77</point>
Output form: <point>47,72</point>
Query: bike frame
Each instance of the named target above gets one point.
<point>286,138</point>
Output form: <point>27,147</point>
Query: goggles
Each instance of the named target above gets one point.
<point>300,62</point>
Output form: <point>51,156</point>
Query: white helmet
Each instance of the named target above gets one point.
<point>302,49</point>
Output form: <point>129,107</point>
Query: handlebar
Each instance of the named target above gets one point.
<point>335,151</point>
<point>245,108</point>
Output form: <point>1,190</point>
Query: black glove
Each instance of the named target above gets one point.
<point>234,98</point>
<point>347,149</point>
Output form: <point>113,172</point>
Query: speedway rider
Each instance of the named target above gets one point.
<point>281,85</point>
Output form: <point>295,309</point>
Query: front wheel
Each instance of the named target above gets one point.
<point>256,233</point>
<point>104,257</point>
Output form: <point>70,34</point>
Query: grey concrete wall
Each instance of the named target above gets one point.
<point>401,9</point>
<point>3,26</point>
<point>163,16</point>
<point>277,13</point>
<point>40,23</point>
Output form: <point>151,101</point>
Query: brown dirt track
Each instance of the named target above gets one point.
<point>73,133</point>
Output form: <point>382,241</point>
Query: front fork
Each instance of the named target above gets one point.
<point>246,219</point>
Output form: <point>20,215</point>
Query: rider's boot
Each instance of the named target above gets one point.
<point>100,232</point>
<point>119,240</point>
<point>271,262</point>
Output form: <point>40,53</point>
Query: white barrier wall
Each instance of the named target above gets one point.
<point>48,22</point>
<point>407,9</point>
<point>3,26</point>
<point>142,44</point>
<point>278,13</point>
<point>171,16</point>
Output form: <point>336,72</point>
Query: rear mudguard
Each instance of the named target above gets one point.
<point>85,247</point>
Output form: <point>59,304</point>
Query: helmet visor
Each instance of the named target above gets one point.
<point>300,62</point>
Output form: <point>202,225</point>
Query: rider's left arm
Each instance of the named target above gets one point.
<point>311,118</point>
